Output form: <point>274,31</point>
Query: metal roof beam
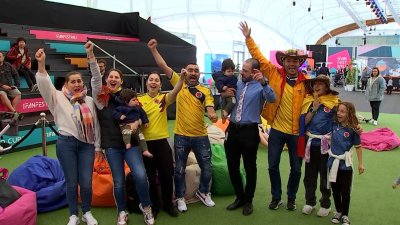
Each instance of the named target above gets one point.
<point>352,15</point>
<point>395,14</point>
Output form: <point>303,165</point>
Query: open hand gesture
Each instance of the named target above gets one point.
<point>246,30</point>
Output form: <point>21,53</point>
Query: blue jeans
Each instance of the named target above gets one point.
<point>133,157</point>
<point>276,142</point>
<point>202,150</point>
<point>76,159</point>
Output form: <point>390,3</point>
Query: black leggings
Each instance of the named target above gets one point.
<point>341,191</point>
<point>375,109</point>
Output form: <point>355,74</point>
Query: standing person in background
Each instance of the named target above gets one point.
<point>283,115</point>
<point>364,77</point>
<point>21,61</point>
<point>154,103</point>
<point>190,131</point>
<point>102,63</point>
<point>75,116</point>
<point>7,89</point>
<point>389,86</point>
<point>344,137</point>
<point>107,99</point>
<point>226,79</point>
<point>374,93</point>
<point>324,70</point>
<point>243,135</point>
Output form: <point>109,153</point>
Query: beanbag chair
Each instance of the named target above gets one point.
<point>221,184</point>
<point>44,176</point>
<point>22,211</point>
<point>381,139</point>
<point>102,183</point>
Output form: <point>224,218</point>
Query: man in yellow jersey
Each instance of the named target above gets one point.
<point>190,131</point>
<point>283,115</point>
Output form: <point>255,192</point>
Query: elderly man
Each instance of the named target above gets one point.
<point>7,89</point>
<point>283,115</point>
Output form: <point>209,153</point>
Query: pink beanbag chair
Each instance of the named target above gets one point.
<point>381,139</point>
<point>22,211</point>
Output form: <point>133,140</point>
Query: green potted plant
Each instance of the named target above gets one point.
<point>351,76</point>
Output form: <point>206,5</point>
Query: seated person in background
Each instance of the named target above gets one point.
<point>7,89</point>
<point>224,81</point>
<point>126,114</point>
<point>19,58</point>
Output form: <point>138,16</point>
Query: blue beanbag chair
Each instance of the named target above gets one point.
<point>44,176</point>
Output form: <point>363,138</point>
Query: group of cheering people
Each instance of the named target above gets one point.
<point>306,115</point>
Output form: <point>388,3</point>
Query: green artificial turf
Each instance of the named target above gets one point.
<point>373,201</point>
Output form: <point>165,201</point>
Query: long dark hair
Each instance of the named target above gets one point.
<point>375,68</point>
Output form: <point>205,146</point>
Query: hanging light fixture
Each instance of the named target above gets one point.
<point>309,7</point>
<point>294,3</point>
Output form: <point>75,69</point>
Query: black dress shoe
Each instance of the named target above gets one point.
<point>236,204</point>
<point>171,210</point>
<point>248,208</point>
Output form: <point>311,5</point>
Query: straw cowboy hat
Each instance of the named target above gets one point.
<point>293,53</point>
<point>309,83</point>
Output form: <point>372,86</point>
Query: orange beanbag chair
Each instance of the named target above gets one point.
<point>102,183</point>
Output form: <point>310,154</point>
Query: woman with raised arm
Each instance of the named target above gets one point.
<point>75,115</point>
<point>155,104</point>
<point>107,99</point>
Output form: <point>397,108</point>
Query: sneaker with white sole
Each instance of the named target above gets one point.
<point>375,122</point>
<point>89,219</point>
<point>181,204</point>
<point>205,198</point>
<point>336,218</point>
<point>122,218</point>
<point>148,214</point>
<point>307,209</point>
<point>345,220</point>
<point>73,220</point>
<point>322,212</point>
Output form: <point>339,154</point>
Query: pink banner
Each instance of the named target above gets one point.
<point>272,58</point>
<point>76,37</point>
<point>29,105</point>
<point>339,60</point>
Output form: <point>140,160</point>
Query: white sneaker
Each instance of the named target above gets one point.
<point>375,122</point>
<point>345,220</point>
<point>73,220</point>
<point>205,198</point>
<point>371,121</point>
<point>322,212</point>
<point>307,209</point>
<point>122,218</point>
<point>89,219</point>
<point>180,202</point>
<point>148,215</point>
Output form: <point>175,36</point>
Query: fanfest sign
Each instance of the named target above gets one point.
<point>76,37</point>
<point>29,105</point>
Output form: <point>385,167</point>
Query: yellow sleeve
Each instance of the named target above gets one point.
<point>174,79</point>
<point>209,101</point>
<point>265,65</point>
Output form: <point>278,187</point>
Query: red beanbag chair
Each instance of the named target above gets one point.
<point>22,211</point>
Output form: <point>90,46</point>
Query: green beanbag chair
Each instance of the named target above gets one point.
<point>221,183</point>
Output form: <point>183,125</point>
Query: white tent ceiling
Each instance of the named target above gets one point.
<point>277,24</point>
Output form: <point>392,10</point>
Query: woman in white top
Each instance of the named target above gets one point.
<point>79,135</point>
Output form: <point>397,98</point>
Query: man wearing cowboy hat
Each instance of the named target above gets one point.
<point>283,115</point>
